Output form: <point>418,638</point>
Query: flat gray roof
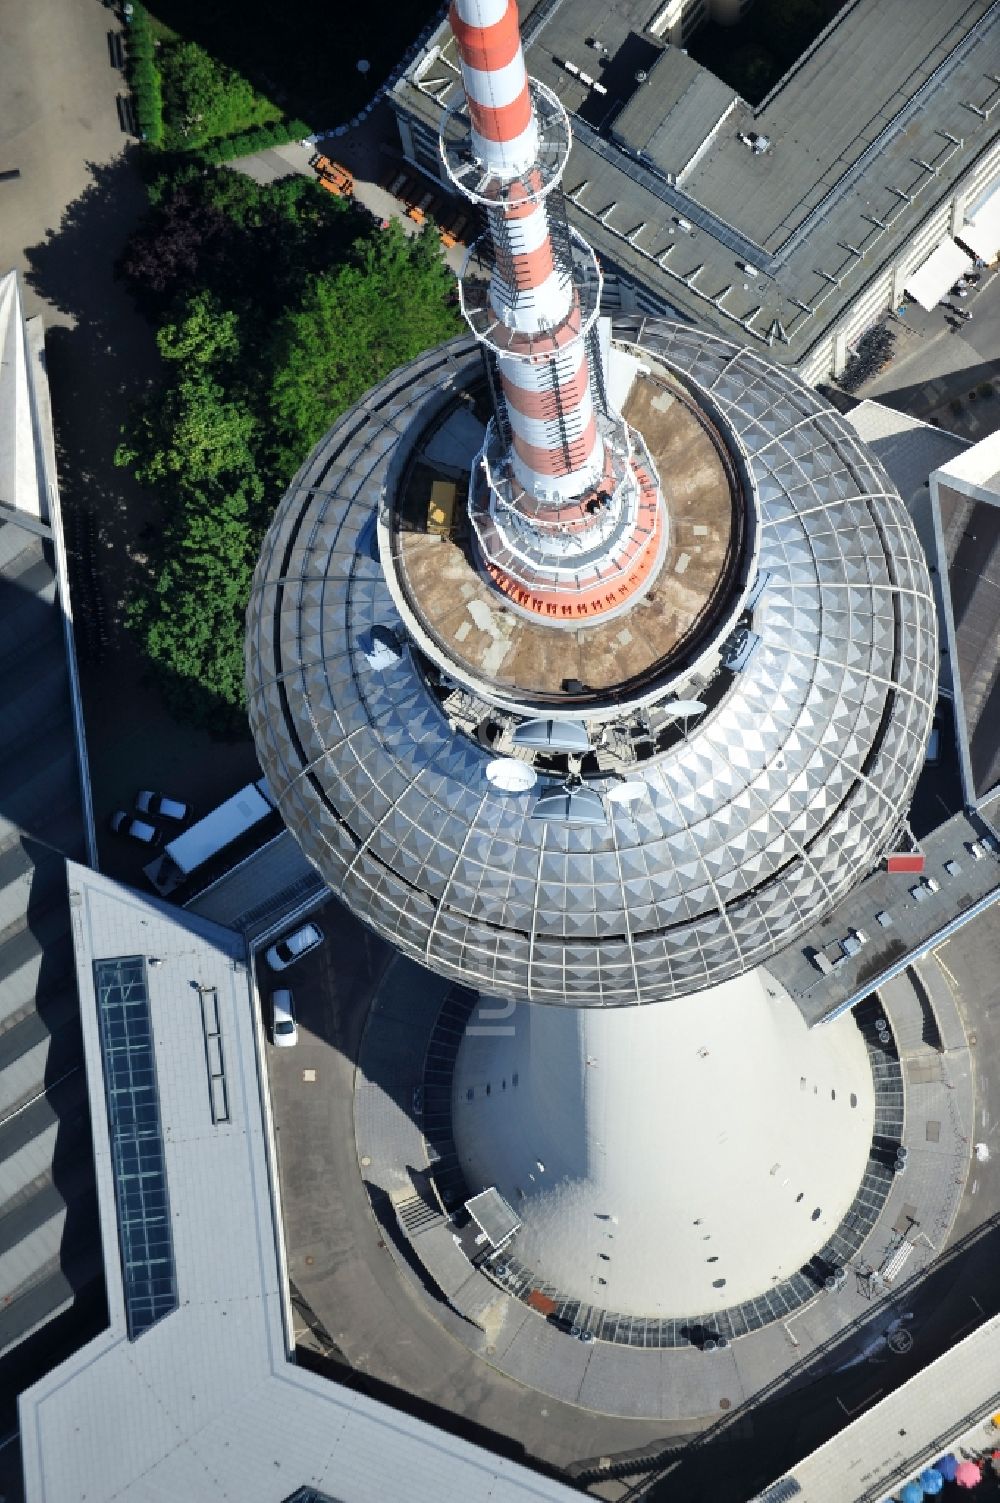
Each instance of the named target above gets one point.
<point>49,1246</point>
<point>254,893</point>
<point>872,129</point>
<point>670,116</point>
<point>915,924</point>
<point>207,1400</point>
<point>968,502</point>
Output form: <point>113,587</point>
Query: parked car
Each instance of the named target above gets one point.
<point>123,823</point>
<point>159,806</point>
<point>284,1030</point>
<point>293,946</point>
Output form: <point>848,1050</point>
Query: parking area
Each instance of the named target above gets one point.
<point>351,1304</point>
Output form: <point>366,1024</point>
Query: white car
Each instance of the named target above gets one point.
<point>138,829</point>
<point>293,947</point>
<point>158,805</point>
<point>284,1030</point>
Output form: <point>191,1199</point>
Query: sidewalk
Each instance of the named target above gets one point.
<point>368,151</point>
<point>942,365</point>
<point>677,1385</point>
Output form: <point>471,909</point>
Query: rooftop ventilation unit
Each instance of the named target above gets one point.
<point>756,143</point>
<point>571,805</point>
<point>553,735</point>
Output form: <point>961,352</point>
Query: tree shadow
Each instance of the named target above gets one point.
<point>100,356</point>
<point>305,63</point>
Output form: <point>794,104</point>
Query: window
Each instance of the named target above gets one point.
<point>136,1142</point>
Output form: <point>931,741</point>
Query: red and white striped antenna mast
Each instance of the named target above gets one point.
<point>565,503</point>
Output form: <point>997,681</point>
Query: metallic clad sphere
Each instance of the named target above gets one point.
<point>773,803</point>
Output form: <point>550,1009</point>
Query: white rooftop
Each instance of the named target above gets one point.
<point>22,473</point>
<point>978,466</point>
<point>948,1402</point>
<point>667,1159</point>
<point>206,1403</point>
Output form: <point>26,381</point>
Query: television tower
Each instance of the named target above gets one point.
<point>564,499</point>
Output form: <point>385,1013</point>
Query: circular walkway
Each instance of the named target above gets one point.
<point>639,1368</point>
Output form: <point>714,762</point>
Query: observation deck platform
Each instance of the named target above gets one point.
<point>492,641</point>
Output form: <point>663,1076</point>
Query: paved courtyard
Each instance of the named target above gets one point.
<point>361,1298</point>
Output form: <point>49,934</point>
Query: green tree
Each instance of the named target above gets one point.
<point>194,431</point>
<point>203,99</point>
<point>190,619</point>
<point>353,326</point>
<point>278,338</point>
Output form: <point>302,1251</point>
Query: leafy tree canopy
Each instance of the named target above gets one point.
<point>278,307</point>
<point>203,99</point>
<point>353,325</point>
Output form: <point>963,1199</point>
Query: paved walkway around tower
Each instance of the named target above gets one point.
<point>682,1385</point>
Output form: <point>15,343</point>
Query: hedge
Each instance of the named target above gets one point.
<point>144,77</point>
<point>250,141</point>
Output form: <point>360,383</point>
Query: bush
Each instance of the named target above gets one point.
<point>144,77</point>
<point>205,100</point>
<point>250,141</point>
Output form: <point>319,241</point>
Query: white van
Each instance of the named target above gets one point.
<point>204,839</point>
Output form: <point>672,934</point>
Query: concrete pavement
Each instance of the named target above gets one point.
<point>363,1313</point>
<point>58,121</point>
<point>940,364</point>
<point>364,1301</point>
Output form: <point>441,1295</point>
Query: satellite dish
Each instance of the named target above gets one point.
<point>629,792</point>
<point>571,806</point>
<point>682,708</point>
<point>553,735</point>
<point>511,776</point>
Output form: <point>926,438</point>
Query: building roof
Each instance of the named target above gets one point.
<point>638,1147</point>
<point>252,894</point>
<point>207,1401</point>
<point>869,131</point>
<point>753,822</point>
<point>674,113</point>
<point>908,449</point>
<point>49,1253</point>
<point>910,924</point>
<point>926,1417</point>
<point>966,493</point>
